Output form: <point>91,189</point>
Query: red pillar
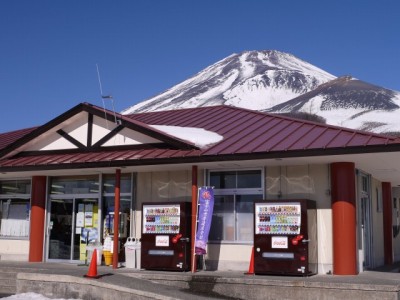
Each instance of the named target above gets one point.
<point>343,193</point>
<point>117,198</point>
<point>194,214</point>
<point>38,208</point>
<point>387,222</point>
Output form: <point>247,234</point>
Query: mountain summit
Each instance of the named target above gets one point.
<point>251,79</point>
<point>278,82</point>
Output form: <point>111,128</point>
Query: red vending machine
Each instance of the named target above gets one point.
<point>285,237</point>
<point>166,230</point>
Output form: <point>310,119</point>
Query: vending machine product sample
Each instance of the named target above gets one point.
<point>285,237</point>
<point>166,231</point>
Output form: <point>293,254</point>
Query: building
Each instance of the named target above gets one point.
<point>60,177</point>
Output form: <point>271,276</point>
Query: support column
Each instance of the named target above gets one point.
<point>194,214</point>
<point>387,222</point>
<point>37,221</point>
<point>343,196</point>
<point>117,193</point>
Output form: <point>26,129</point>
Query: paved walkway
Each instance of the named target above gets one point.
<point>67,280</point>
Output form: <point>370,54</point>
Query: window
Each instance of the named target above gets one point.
<point>109,201</point>
<point>364,184</point>
<point>75,185</point>
<point>236,179</point>
<point>14,208</point>
<point>379,204</point>
<point>234,195</point>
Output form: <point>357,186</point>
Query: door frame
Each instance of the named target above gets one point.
<point>74,198</point>
<point>365,226</point>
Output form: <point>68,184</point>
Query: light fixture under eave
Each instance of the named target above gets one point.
<point>57,186</point>
<point>229,165</point>
<point>13,188</point>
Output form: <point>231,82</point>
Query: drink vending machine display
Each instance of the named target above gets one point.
<point>166,230</point>
<point>285,237</point>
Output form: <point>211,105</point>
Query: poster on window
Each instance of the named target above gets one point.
<point>206,206</point>
<point>88,215</point>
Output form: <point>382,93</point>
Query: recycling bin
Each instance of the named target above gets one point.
<point>130,253</point>
<point>138,256</point>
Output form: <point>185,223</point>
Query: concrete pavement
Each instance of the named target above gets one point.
<point>68,281</point>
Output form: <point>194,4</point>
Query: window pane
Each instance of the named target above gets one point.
<point>14,215</point>
<point>222,225</point>
<point>109,183</point>
<point>124,208</point>
<point>244,216</point>
<point>249,179</point>
<point>12,187</point>
<point>75,185</point>
<point>223,180</point>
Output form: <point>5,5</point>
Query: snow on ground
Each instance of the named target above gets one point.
<point>30,296</point>
<point>198,136</point>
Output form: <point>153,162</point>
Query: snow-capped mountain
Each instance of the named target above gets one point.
<point>351,103</point>
<point>278,82</point>
<point>252,79</point>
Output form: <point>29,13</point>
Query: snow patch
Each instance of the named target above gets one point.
<point>198,136</point>
<point>30,296</point>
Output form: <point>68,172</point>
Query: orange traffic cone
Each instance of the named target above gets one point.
<point>251,266</point>
<point>92,273</point>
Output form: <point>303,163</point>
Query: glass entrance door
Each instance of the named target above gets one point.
<point>72,222</point>
<point>60,228</point>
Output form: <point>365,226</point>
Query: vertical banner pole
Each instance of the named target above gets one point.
<point>116,217</point>
<point>194,218</point>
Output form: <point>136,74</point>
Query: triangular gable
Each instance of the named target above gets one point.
<point>87,127</point>
<point>75,133</point>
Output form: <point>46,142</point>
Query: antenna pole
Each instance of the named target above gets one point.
<point>101,94</point>
<point>98,76</point>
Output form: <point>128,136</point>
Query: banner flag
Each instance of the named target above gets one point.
<point>206,206</point>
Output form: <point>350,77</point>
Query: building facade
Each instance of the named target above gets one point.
<point>57,182</point>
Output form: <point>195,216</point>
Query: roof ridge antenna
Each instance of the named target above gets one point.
<point>108,97</point>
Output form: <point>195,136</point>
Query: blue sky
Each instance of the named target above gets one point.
<point>49,49</point>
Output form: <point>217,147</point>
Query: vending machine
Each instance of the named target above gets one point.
<point>166,231</point>
<point>285,237</point>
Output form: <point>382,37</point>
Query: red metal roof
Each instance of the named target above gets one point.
<point>8,138</point>
<point>246,135</point>
<point>247,131</point>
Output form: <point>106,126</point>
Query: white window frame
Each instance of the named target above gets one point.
<point>237,192</point>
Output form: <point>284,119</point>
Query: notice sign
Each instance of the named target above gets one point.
<point>162,241</point>
<point>280,242</point>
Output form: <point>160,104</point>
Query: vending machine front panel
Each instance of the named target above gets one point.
<point>281,237</point>
<point>165,236</point>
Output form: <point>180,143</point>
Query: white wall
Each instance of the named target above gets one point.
<point>14,250</point>
<point>166,186</point>
<point>305,182</point>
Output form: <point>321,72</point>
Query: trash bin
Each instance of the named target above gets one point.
<point>107,251</point>
<point>138,254</point>
<point>90,249</point>
<point>130,252</point>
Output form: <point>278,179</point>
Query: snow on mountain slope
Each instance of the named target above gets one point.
<point>252,79</point>
<point>351,103</point>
